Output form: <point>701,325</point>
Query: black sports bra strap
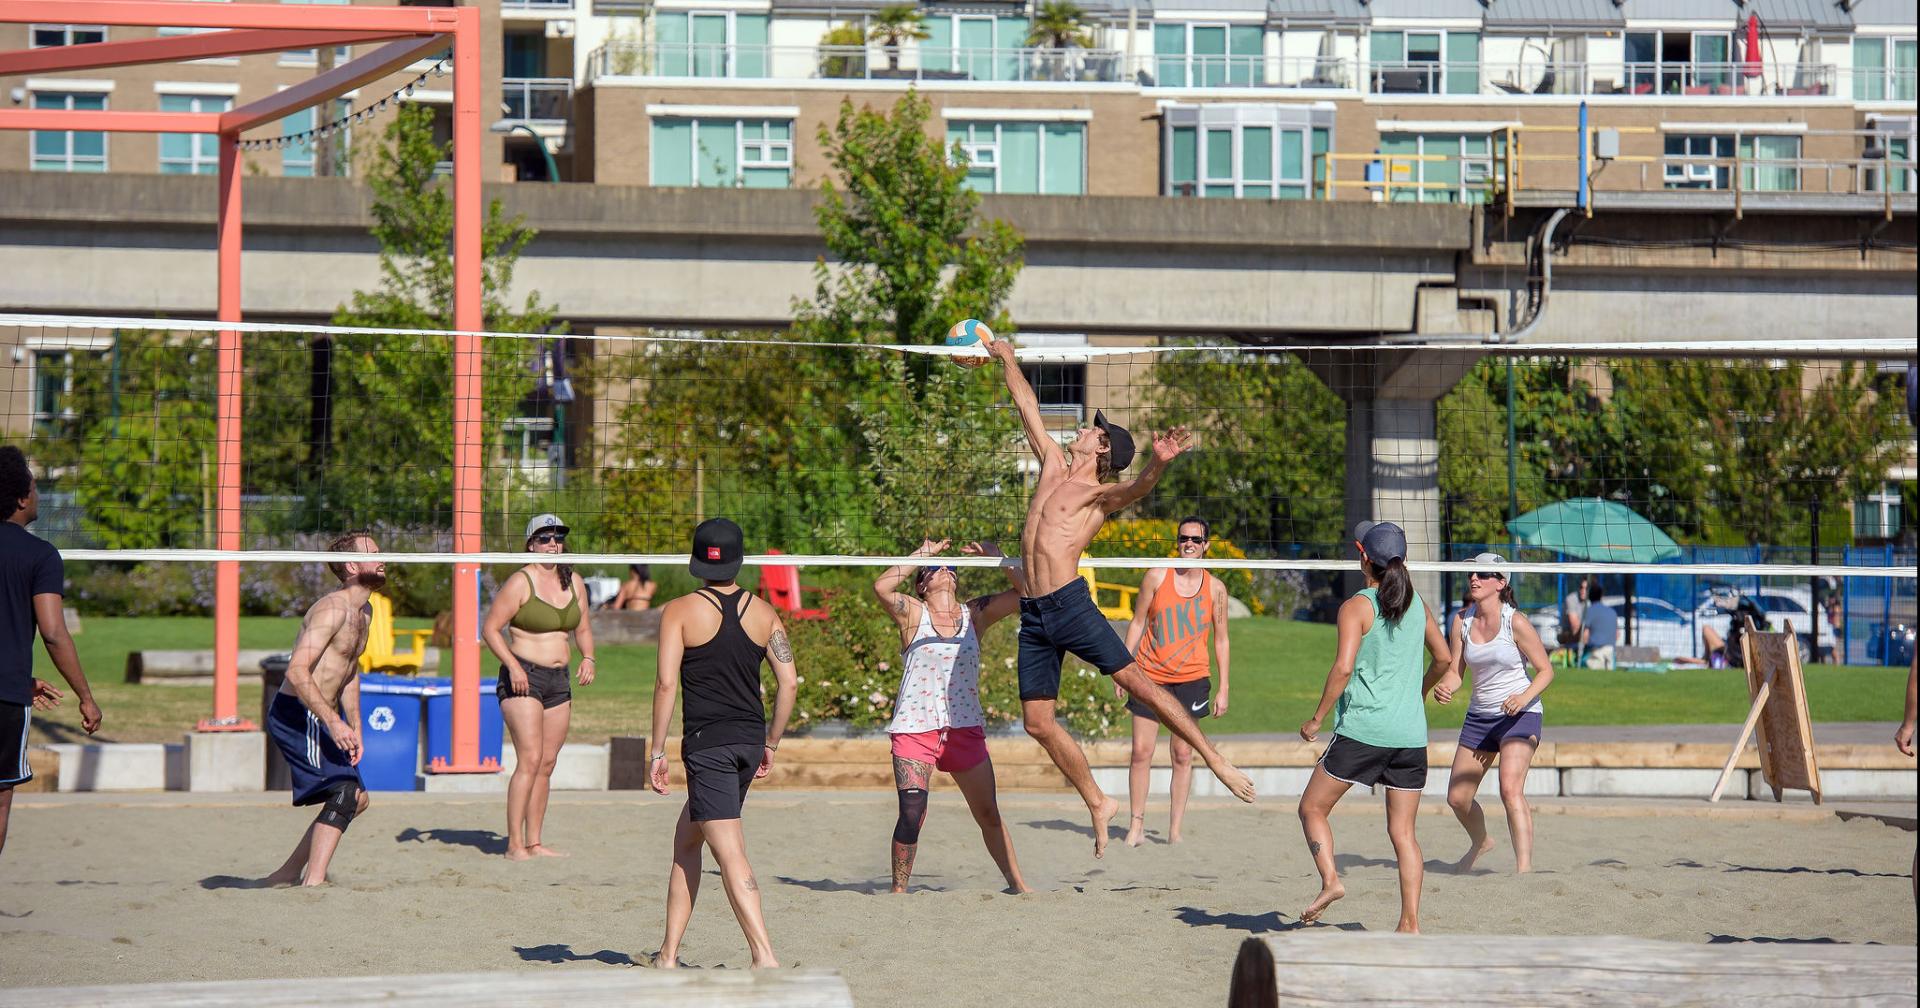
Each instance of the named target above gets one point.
<point>713,599</point>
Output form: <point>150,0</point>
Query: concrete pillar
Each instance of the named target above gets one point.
<point>1393,445</point>
<point>226,761</point>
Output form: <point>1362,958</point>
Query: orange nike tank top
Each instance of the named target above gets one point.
<point>1175,649</point>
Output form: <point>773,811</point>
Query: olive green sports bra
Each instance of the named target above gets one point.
<point>537,615</point>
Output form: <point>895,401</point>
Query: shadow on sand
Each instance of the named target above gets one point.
<point>484,841</point>
<point>1265,923</point>
<point>1728,866</point>
<point>234,882</point>
<point>1720,939</point>
<point>565,954</point>
<point>867,887</point>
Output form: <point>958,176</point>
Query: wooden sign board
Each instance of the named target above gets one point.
<point>1779,716</point>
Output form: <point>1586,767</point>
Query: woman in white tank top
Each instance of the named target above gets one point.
<point>1494,643</point>
<point>938,722</point>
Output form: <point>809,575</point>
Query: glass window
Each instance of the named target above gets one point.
<point>1023,158</point>
<point>1774,168</point>
<point>1680,171</point>
<point>65,35</point>
<point>296,158</point>
<point>52,381</point>
<point>1437,167</point>
<point>717,153</point>
<point>1207,54</point>
<point>1232,160</point>
<point>191,153</point>
<point>69,150</point>
<point>974,46</point>
<point>1184,167</point>
<point>711,44</point>
<point>1425,62</point>
<point>1060,387</point>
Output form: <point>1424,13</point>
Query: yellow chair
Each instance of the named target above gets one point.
<point>1121,610</point>
<point>382,638</point>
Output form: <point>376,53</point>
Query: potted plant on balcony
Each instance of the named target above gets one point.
<point>894,24</point>
<point>1058,27</point>
<point>843,51</point>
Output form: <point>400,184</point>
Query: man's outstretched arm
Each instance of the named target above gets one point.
<point>1045,448</point>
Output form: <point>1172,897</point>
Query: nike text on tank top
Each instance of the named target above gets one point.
<point>1499,671</point>
<point>722,680</point>
<point>1175,649</point>
<point>940,681</point>
<point>1382,705</point>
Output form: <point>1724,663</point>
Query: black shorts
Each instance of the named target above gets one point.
<point>1196,694</point>
<point>13,744</point>
<point>550,686</point>
<point>1065,621</point>
<point>718,778</point>
<point>1367,765</point>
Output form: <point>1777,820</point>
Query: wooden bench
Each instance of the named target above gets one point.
<point>1342,969</point>
<point>537,988</point>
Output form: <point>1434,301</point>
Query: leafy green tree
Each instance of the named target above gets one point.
<point>1267,463</point>
<point>843,51</point>
<point>144,477</point>
<point>894,24</point>
<point>1060,24</point>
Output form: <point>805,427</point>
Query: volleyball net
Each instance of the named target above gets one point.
<point>1785,470</point>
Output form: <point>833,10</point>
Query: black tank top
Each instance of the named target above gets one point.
<point>722,680</point>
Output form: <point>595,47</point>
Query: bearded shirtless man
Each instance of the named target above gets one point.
<point>1075,495</point>
<point>315,718</point>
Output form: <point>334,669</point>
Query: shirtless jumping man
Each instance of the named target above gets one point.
<point>1057,615</point>
<point>315,718</point>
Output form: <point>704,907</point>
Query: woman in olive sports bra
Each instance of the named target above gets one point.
<point>536,701</point>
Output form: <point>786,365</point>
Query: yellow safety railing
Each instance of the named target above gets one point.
<point>1325,170</point>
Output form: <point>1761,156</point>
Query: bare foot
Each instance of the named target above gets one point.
<point>542,850</point>
<point>1136,831</point>
<point>1408,926</point>
<point>1103,815</point>
<point>1523,869</point>
<point>768,963</point>
<point>281,878</point>
<point>1239,783</point>
<point>1018,890</point>
<point>1173,835</point>
<point>1321,902</point>
<point>308,883</point>
<point>655,960</point>
<point>1472,856</point>
<point>897,891</point>
<point>520,854</point>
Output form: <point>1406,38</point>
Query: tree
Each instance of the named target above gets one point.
<point>843,51</point>
<point>394,416</point>
<point>1060,24</point>
<point>894,24</point>
<point>146,456</point>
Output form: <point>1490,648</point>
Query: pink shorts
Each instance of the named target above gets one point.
<point>950,750</point>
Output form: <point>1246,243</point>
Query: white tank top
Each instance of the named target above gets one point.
<point>940,683</point>
<point>1499,670</point>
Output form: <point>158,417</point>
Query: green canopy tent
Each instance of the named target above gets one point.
<point>1592,528</point>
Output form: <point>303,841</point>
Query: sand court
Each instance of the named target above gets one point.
<point>123,889</point>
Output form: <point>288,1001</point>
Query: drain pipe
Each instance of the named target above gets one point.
<point>1545,249</point>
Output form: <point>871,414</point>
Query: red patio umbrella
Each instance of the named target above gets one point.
<point>1750,57</point>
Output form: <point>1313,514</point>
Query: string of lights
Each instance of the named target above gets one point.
<point>349,119</point>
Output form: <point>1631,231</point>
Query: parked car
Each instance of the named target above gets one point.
<point>1657,624</point>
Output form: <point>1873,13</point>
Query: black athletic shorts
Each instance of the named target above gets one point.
<point>550,686</point>
<point>13,744</point>
<point>718,778</point>
<point>1195,694</point>
<point>1366,765</point>
<point>1065,621</point>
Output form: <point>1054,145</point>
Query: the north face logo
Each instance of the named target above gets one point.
<point>713,552</point>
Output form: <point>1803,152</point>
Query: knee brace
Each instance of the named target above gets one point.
<point>343,803</point>
<point>913,809</point>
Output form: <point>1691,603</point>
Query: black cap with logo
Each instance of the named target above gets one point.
<point>718,546</point>
<point>1119,442</point>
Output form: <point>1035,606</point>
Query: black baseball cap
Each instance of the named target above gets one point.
<point>1383,541</point>
<point>1119,442</point>
<point>717,548</point>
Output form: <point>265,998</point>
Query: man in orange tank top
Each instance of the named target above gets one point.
<point>1173,616</point>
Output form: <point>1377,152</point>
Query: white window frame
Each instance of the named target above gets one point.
<point>982,155</point>
<point>1459,155</point>
<point>1684,174</point>
<point>195,160</point>
<point>69,160</point>
<point>740,143</point>
<point>767,152</point>
<point>1883,501</point>
<point>33,32</point>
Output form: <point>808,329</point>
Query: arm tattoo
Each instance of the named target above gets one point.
<point>782,651</point>
<point>899,606</point>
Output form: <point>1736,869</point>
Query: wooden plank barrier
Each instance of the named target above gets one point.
<point>1342,969</point>
<point>531,988</point>
<point>1779,716</point>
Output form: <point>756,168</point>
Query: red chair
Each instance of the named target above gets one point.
<point>780,585</point>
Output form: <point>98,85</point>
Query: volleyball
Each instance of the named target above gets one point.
<point>969,333</point>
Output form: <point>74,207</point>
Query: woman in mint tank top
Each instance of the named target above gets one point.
<point>1376,690</point>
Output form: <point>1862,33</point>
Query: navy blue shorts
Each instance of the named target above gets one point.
<point>1485,732</point>
<point>1055,624</point>
<point>317,765</point>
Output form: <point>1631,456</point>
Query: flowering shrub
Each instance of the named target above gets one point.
<point>1154,537</point>
<point>850,668</point>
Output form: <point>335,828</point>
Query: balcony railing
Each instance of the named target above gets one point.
<point>536,5</point>
<point>1883,84</point>
<point>537,98</point>
<point>698,59</point>
<point>1598,78</point>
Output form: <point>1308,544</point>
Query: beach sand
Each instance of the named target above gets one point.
<point>132,888</point>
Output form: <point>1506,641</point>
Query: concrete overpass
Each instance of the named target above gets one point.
<point>1262,272</point>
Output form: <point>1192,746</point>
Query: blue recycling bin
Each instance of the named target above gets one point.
<point>390,716</point>
<point>439,706</point>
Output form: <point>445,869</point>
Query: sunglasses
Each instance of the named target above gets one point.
<point>927,572</point>
<point>1489,575</point>
<point>1191,539</point>
<point>548,537</point>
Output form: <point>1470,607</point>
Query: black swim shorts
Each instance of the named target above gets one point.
<point>1367,765</point>
<point>1055,624</point>
<point>549,685</point>
<point>718,778</point>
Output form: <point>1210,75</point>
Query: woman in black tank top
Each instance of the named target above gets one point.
<point>727,743</point>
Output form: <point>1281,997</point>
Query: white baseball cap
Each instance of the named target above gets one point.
<point>1493,562</point>
<point>543,522</point>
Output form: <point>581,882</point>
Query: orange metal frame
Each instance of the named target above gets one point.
<point>410,34</point>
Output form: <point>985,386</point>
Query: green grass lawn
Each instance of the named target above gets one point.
<point>1279,668</point>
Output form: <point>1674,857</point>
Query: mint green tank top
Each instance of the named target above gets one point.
<point>1382,705</point>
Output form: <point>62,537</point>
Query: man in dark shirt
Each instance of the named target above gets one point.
<point>32,582</point>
